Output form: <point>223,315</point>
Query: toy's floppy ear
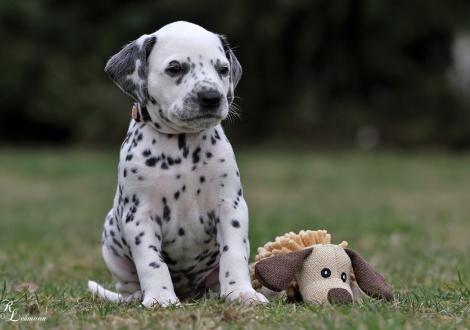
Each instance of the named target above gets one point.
<point>371,282</point>
<point>129,68</point>
<point>277,272</point>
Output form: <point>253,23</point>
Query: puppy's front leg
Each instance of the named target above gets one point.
<point>234,277</point>
<point>145,238</point>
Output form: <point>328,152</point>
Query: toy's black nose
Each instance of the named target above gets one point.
<point>339,296</point>
<point>210,98</point>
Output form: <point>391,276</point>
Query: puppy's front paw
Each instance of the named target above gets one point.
<point>162,300</point>
<point>247,296</point>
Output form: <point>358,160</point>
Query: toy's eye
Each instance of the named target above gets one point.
<point>223,70</point>
<point>325,272</point>
<point>344,277</point>
<point>174,68</point>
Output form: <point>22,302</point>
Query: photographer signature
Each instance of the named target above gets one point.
<point>8,313</point>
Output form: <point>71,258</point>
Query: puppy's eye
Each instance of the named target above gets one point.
<point>223,70</point>
<point>174,68</point>
<point>325,272</point>
<point>344,277</point>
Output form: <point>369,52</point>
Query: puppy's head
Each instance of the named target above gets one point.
<point>184,74</point>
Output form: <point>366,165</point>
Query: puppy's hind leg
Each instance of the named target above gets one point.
<point>123,271</point>
<point>130,291</point>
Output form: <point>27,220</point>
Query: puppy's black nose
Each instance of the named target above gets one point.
<point>339,296</point>
<point>209,98</point>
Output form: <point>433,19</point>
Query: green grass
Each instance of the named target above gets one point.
<point>409,215</point>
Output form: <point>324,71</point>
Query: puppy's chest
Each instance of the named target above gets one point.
<point>189,172</point>
<point>189,243</point>
<point>182,178</point>
<point>188,202</point>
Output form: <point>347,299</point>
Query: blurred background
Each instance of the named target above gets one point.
<point>326,73</point>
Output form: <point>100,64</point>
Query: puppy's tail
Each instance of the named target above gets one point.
<point>99,291</point>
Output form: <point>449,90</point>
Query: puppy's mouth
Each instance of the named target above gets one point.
<point>195,117</point>
<point>200,121</point>
<point>208,116</point>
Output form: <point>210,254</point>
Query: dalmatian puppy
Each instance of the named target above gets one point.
<point>179,222</point>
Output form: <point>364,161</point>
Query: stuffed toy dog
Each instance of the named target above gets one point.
<point>307,266</point>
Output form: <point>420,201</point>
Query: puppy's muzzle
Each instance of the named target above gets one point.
<point>209,99</point>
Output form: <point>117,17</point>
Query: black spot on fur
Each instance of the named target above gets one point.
<point>154,265</point>
<point>152,161</point>
<point>181,231</point>
<point>153,247</point>
<point>114,251</point>
<point>196,157</point>
<point>166,211</point>
<point>185,151</point>
<point>181,141</point>
<point>235,223</point>
<point>135,200</point>
<point>116,242</point>
<point>137,238</point>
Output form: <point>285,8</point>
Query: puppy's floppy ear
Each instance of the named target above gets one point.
<point>235,67</point>
<point>277,272</point>
<point>129,68</point>
<point>371,282</point>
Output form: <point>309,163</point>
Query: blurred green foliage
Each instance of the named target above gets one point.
<point>314,70</point>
